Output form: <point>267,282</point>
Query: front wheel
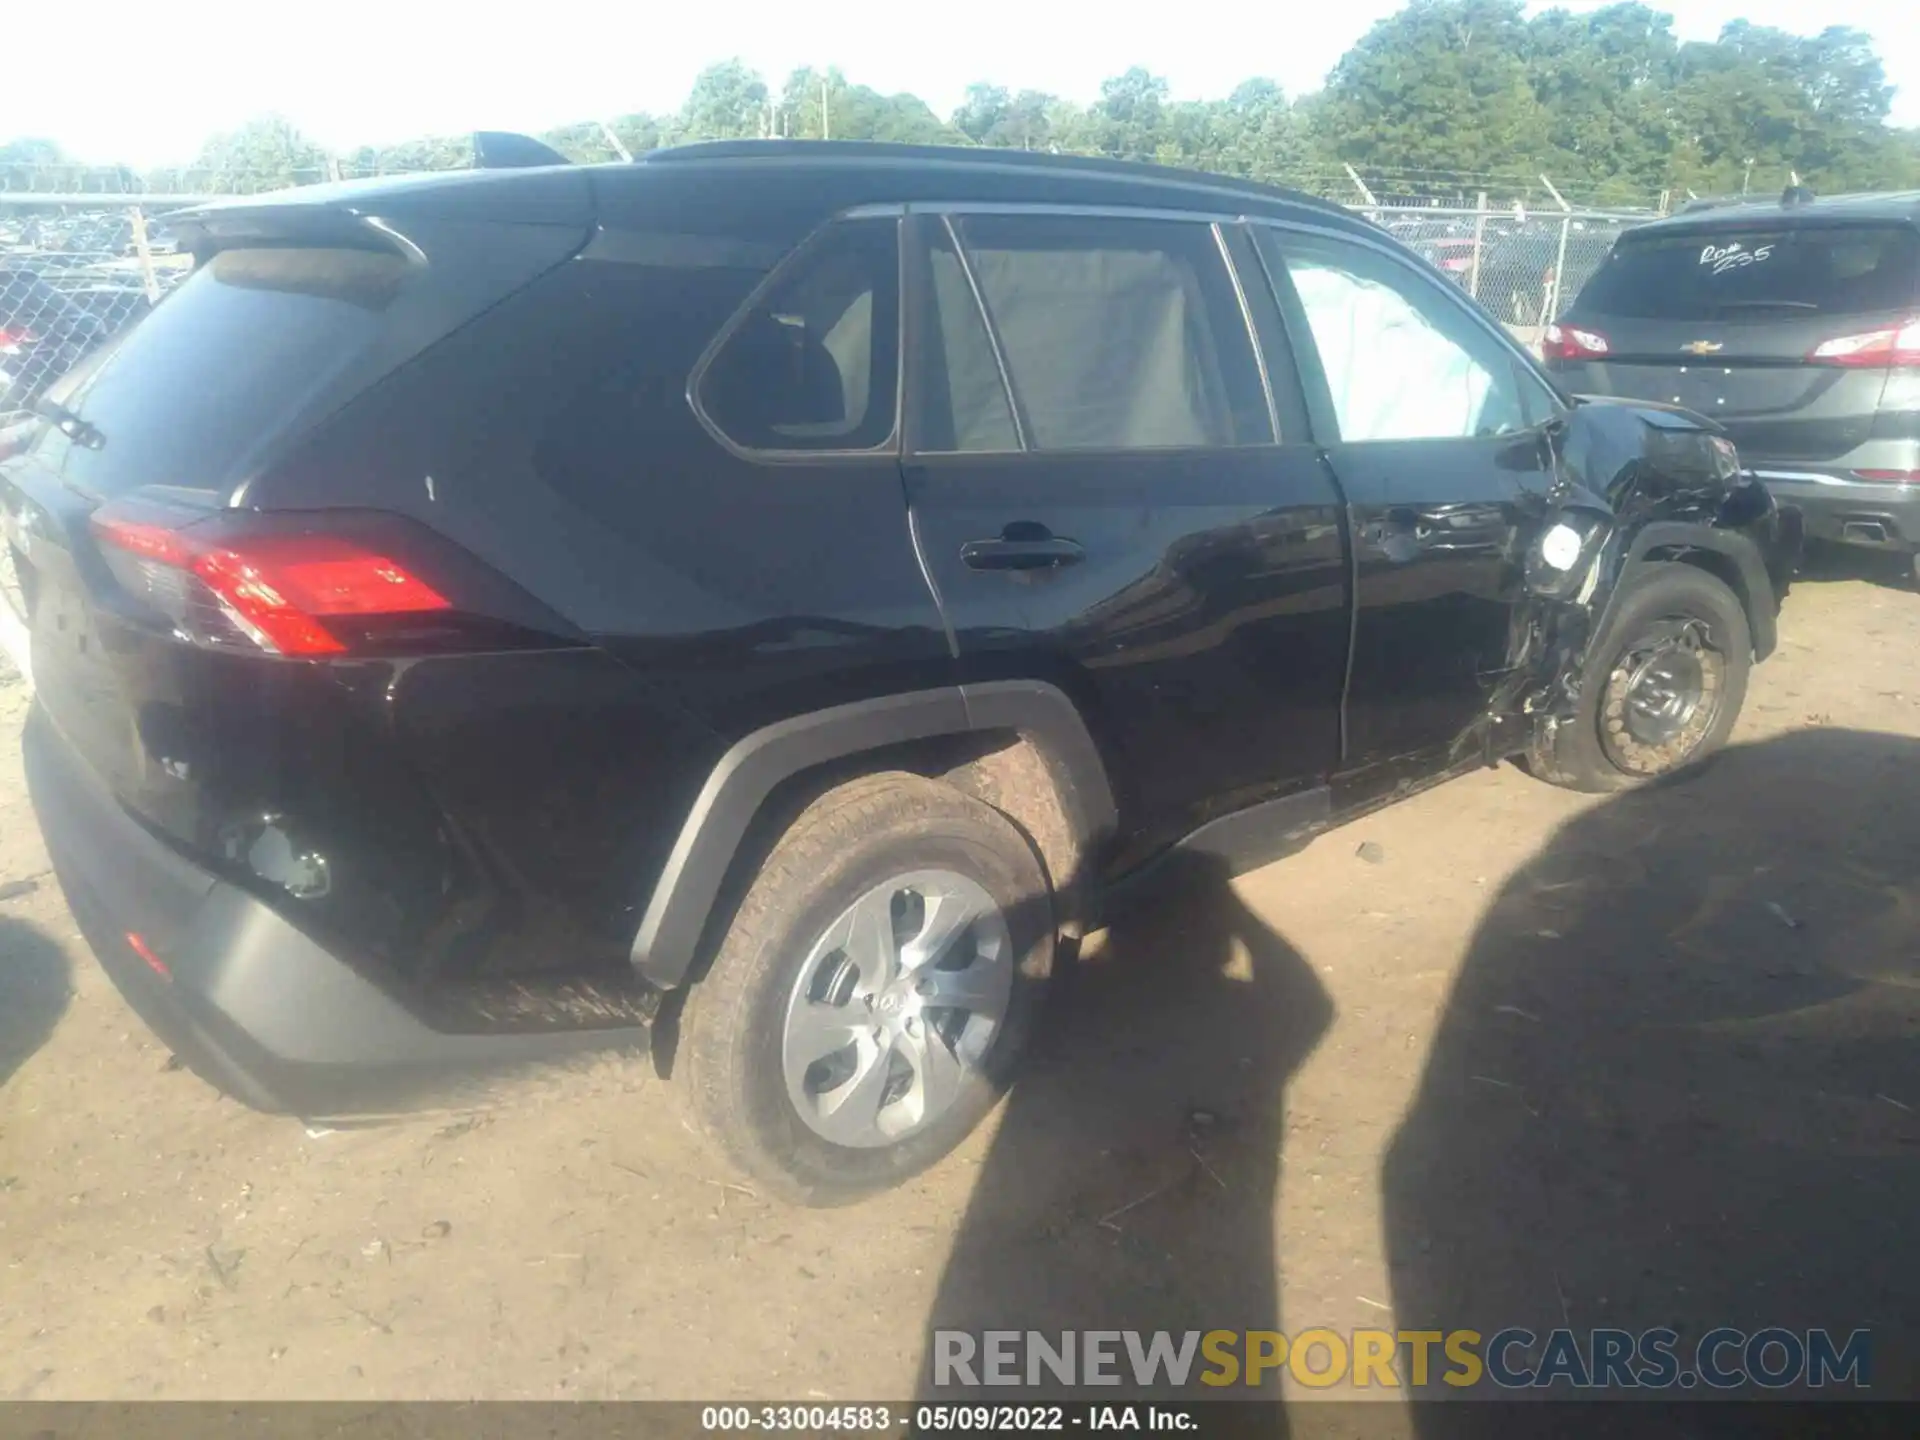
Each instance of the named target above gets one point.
<point>1662,687</point>
<point>876,985</point>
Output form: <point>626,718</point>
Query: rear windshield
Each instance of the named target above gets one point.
<point>224,365</point>
<point>1759,273</point>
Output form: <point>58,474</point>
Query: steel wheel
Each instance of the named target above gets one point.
<point>1663,696</point>
<point>898,1002</point>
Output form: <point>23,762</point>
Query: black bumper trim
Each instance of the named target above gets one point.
<point>253,1005</point>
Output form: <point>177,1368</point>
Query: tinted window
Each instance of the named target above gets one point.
<point>812,365</point>
<point>1736,274</point>
<point>1403,358</point>
<point>1117,334</point>
<point>226,363</point>
<point>964,402</point>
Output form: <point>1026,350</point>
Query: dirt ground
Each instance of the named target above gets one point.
<point>1535,1059</point>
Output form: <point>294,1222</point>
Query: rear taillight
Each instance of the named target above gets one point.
<point>1872,349</point>
<point>1568,342</point>
<point>1890,477</point>
<point>12,340</point>
<point>286,593</point>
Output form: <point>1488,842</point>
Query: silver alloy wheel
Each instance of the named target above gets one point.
<point>897,1004</point>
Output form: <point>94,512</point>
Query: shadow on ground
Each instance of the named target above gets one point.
<point>1825,563</point>
<point>33,992</point>
<point>1132,1182</point>
<point>1678,1080</point>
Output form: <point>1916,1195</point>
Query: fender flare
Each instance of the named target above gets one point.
<point>676,914</point>
<point>1759,600</point>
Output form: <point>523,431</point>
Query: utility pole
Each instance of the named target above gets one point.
<point>1746,181</point>
<point>826,110</point>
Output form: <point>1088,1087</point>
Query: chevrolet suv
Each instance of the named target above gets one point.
<point>1796,326</point>
<point>765,597</point>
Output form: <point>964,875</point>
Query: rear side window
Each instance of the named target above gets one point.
<point>1759,273</point>
<point>1116,334</point>
<point>813,364</point>
<point>225,364</point>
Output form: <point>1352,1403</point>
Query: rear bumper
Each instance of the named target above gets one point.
<point>1840,508</point>
<point>249,1001</point>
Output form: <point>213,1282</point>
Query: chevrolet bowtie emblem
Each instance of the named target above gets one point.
<point>1703,347</point>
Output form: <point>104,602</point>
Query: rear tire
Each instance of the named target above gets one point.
<point>816,1052</point>
<point>1661,690</point>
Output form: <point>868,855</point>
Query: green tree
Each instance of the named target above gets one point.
<point>1130,119</point>
<point>1256,134</point>
<point>264,154</point>
<point>728,102</point>
<point>1441,87</point>
<point>1601,80</point>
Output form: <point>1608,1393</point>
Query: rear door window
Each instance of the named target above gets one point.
<point>1759,273</point>
<point>1116,334</point>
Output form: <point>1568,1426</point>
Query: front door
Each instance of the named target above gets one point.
<point>1434,423</point>
<point>1093,475</point>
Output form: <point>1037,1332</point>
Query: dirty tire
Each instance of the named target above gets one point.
<point>1574,755</point>
<point>850,840</point>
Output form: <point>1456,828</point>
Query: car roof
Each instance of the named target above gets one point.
<point>963,160</point>
<point>1902,206</point>
<point>836,174</point>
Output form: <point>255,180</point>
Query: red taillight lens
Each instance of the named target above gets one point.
<point>278,591</point>
<point>145,951</point>
<point>1872,349</point>
<point>1568,342</point>
<point>13,339</point>
<point>1894,477</point>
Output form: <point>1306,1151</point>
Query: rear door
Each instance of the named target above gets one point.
<point>1726,321</point>
<point>1100,487</point>
<point>1433,423</point>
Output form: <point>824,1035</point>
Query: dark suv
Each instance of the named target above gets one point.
<point>768,594</point>
<point>1796,325</point>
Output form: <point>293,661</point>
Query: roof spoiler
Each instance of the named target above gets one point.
<point>504,150</point>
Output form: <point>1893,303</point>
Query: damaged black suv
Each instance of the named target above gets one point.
<point>770,593</point>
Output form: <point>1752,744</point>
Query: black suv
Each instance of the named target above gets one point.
<point>1796,325</point>
<point>768,594</point>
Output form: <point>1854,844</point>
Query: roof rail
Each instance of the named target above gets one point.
<point>504,150</point>
<point>979,155</point>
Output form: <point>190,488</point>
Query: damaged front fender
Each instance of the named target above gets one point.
<point>1634,484</point>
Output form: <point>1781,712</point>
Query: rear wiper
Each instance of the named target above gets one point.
<point>70,425</point>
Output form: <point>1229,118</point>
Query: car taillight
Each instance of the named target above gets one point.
<point>1872,349</point>
<point>285,593</point>
<point>1568,342</point>
<point>1891,477</point>
<point>12,340</point>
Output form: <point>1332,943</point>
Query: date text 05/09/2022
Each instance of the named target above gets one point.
<point>962,1418</point>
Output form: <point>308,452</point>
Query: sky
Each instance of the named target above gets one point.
<point>150,83</point>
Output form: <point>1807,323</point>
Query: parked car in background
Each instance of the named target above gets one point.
<point>770,592</point>
<point>42,334</point>
<point>1795,325</point>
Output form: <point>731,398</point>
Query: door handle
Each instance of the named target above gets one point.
<point>1024,552</point>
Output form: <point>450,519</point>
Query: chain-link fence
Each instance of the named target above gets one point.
<point>77,268</point>
<point>71,277</point>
